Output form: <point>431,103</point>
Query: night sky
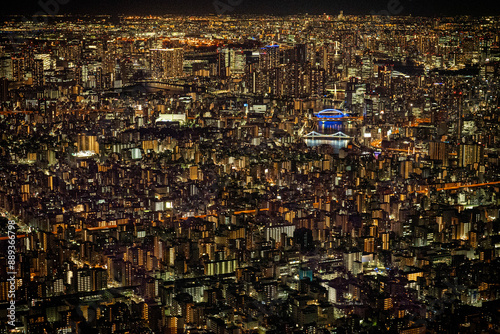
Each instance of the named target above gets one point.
<point>280,7</point>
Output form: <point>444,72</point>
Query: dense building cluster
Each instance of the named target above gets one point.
<point>252,174</point>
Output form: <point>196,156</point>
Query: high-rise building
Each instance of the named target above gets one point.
<point>46,59</point>
<point>269,57</point>
<point>438,151</point>
<point>87,143</point>
<point>6,68</point>
<point>318,81</point>
<point>18,68</point>
<point>405,169</point>
<point>83,280</point>
<point>38,79</point>
<point>4,89</point>
<point>301,53</point>
<point>167,63</point>
<point>99,279</point>
<point>369,245</point>
<point>469,154</point>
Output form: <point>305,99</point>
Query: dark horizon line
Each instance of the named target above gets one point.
<point>248,14</point>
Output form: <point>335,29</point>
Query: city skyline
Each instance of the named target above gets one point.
<point>249,174</point>
<point>242,7</point>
